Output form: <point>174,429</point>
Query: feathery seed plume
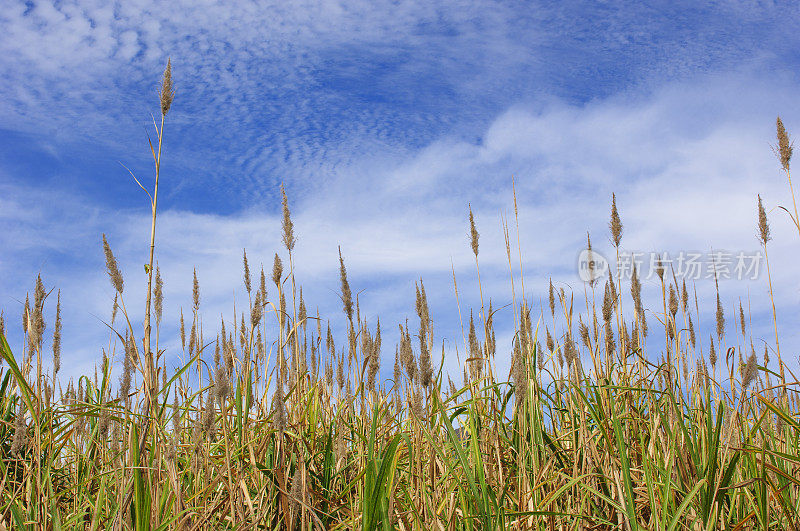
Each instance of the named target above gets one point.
<point>472,337</point>
<point>701,373</point>
<point>176,416</point>
<point>115,308</point>
<point>473,233</point>
<point>407,354</point>
<point>560,356</point>
<point>608,302</point>
<point>539,356</point>
<point>590,259</point>
<point>609,336</point>
<point>625,339</point>
<point>158,296</point>
<point>644,325</point>
<point>518,372</point>
<point>314,367</point>
<point>422,306</point>
<point>20,440</point>
<point>377,342</point>
<point>195,290</point>
<point>425,366</point>
<point>56,338</point>
<point>374,357</point>
<point>712,354</point>
<point>397,374</point>
<point>785,147</point>
<point>230,354</point>
<point>660,268</point>
<point>26,314</point>
<point>127,368</point>
<point>296,493</point>
<point>222,386</point>
<point>570,352</point>
<point>340,371</point>
<point>279,405</point>
<point>193,338</point>
<point>416,405</point>
<point>256,310</point>
<point>277,270</point>
<point>673,301</point>
<point>749,371</point>
<point>612,290</point>
<point>282,307</point>
<point>112,268</point>
<point>38,324</point>
<point>741,317</point>
<point>302,312</point>
<point>329,341</point>
<point>288,227</point>
<point>615,225</point>
<point>183,332</point>
<point>636,294</point>
<point>684,296</point>
<point>347,296</point>
<point>242,334</point>
<point>263,285</point>
<point>167,90</point>
<point>720,318</point>
<point>584,333</point>
<point>763,225</point>
<point>246,267</point>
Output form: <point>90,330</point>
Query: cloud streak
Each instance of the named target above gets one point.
<point>269,92</point>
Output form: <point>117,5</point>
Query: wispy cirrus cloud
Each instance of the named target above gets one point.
<point>295,92</point>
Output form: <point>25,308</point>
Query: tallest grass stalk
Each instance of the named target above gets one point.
<point>166,96</point>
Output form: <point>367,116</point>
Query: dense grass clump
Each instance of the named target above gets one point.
<point>274,423</point>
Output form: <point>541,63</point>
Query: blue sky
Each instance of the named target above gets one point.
<point>384,120</point>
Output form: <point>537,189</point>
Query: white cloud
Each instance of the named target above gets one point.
<point>128,45</point>
<point>684,180</point>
